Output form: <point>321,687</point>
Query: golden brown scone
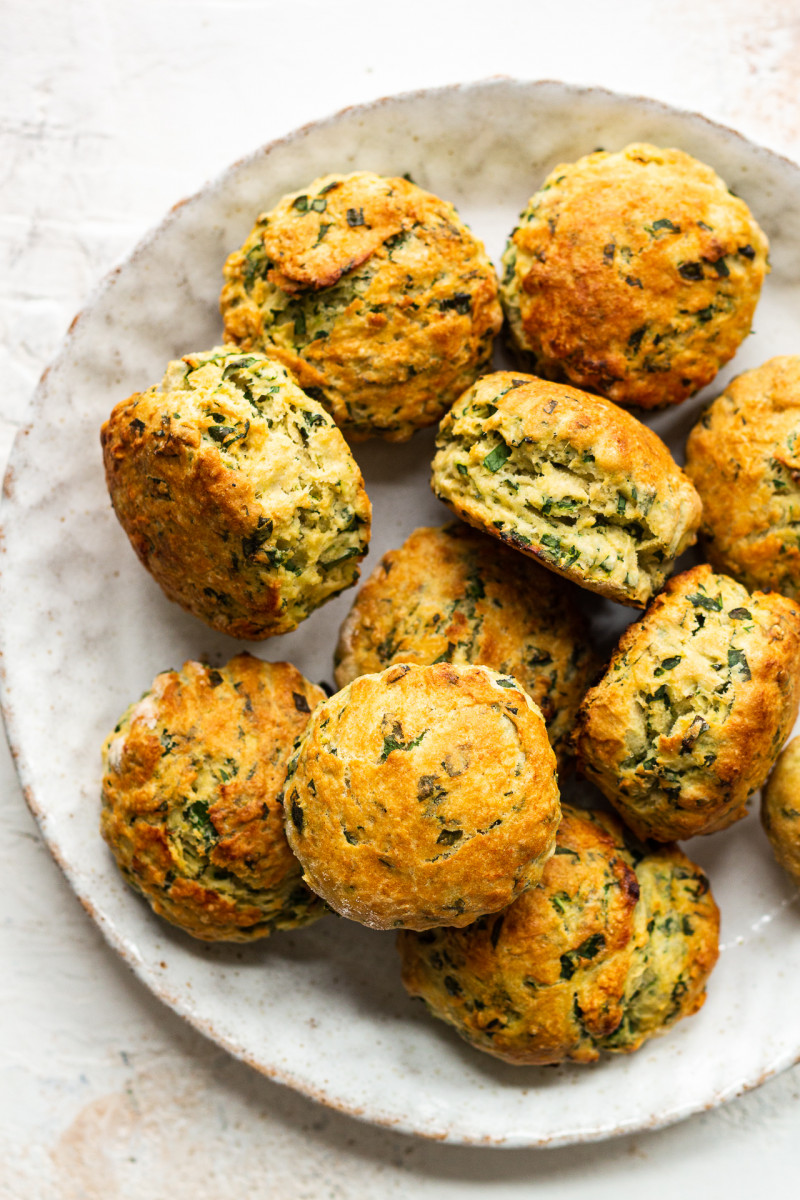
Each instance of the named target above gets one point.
<point>633,274</point>
<point>569,479</point>
<point>423,796</point>
<point>191,798</point>
<point>374,293</point>
<point>614,946</point>
<point>453,595</point>
<point>237,491</point>
<point>695,705</point>
<point>780,810</point>
<point>743,457</point>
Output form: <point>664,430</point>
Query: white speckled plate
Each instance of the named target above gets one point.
<point>84,630</point>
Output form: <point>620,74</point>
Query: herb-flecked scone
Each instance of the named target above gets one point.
<point>454,595</point>
<point>696,703</point>
<point>614,946</point>
<point>634,274</point>
<point>423,796</point>
<point>780,810</point>
<point>569,479</point>
<point>743,457</point>
<point>374,293</point>
<point>237,491</point>
<point>191,798</point>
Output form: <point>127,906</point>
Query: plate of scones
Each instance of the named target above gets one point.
<point>492,836</point>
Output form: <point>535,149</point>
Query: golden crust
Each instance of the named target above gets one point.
<point>453,595</point>
<point>237,491</point>
<point>697,701</point>
<point>423,796</point>
<point>780,810</point>
<point>375,295</point>
<point>569,479</point>
<point>633,274</point>
<point>613,947</point>
<point>743,457</point>
<point>191,798</point>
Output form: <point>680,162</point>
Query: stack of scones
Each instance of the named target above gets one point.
<point>423,796</point>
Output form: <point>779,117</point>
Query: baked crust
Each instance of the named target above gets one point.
<point>780,810</point>
<point>696,703</point>
<point>374,293</point>
<point>191,808</point>
<point>613,947</point>
<point>454,595</point>
<point>237,491</point>
<point>569,479</point>
<point>743,457</point>
<point>423,796</point>
<point>633,274</point>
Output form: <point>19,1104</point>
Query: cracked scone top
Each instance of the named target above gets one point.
<point>423,796</point>
<point>696,703</point>
<point>454,595</point>
<point>612,948</point>
<point>191,798</point>
<point>569,479</point>
<point>634,274</point>
<point>374,293</point>
<point>237,491</point>
<point>743,456</point>
<point>780,810</point>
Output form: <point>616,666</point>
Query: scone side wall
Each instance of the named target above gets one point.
<point>614,946</point>
<point>569,479</point>
<point>633,274</point>
<point>780,810</point>
<point>191,810</point>
<point>237,491</point>
<point>422,796</point>
<point>455,595</point>
<point>743,457</point>
<point>374,294</point>
<point>694,707</point>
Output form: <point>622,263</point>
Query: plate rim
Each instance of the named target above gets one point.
<point>113,936</point>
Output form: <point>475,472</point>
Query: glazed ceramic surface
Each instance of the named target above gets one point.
<point>84,630</point>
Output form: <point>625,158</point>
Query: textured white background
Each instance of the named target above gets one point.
<point>110,111</point>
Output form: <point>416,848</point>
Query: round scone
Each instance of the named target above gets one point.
<point>633,274</point>
<point>237,491</point>
<point>191,798</point>
<point>743,457</point>
<point>423,796</point>
<point>696,703</point>
<point>374,293</point>
<point>614,946</point>
<point>780,810</point>
<point>569,479</point>
<point>454,595</point>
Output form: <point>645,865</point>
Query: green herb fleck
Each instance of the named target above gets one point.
<point>710,603</point>
<point>737,658</point>
<point>495,458</point>
<point>392,743</point>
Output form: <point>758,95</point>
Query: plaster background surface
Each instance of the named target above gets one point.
<point>110,112</point>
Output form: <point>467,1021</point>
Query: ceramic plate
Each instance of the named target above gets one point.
<point>84,630</point>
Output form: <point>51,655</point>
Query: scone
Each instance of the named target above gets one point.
<point>743,457</point>
<point>454,595</point>
<point>696,703</point>
<point>191,798</point>
<point>633,274</point>
<point>780,810</point>
<point>423,796</point>
<point>237,491</point>
<point>374,293</point>
<point>614,946</point>
<point>569,479</point>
